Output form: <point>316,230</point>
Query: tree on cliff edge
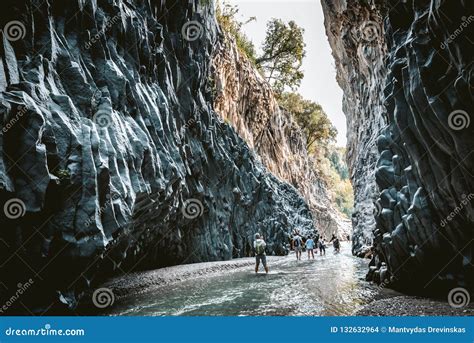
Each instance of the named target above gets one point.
<point>282,55</point>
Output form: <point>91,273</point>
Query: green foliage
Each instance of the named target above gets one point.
<point>227,19</point>
<point>336,157</point>
<point>334,175</point>
<point>63,175</point>
<point>311,118</point>
<point>283,53</point>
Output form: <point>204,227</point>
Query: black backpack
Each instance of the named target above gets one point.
<point>297,242</point>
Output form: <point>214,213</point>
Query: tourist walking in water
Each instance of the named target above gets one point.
<point>310,247</point>
<point>337,245</point>
<point>322,247</point>
<point>297,245</point>
<point>259,246</point>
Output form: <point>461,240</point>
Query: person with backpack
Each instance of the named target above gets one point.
<point>259,246</point>
<point>297,245</point>
<point>310,247</point>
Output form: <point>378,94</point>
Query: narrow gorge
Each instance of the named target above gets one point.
<point>137,136</point>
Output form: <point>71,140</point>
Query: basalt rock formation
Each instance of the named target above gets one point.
<point>354,30</point>
<point>246,100</point>
<point>113,157</point>
<point>423,235</point>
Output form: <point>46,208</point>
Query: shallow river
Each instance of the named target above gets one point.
<point>329,285</point>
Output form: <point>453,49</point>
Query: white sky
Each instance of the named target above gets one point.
<point>319,83</point>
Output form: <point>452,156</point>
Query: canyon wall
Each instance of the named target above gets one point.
<point>113,157</point>
<point>423,236</point>
<point>355,34</point>
<point>246,100</point>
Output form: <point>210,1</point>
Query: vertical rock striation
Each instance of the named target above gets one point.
<point>425,229</point>
<point>355,34</point>
<point>423,236</point>
<point>112,155</point>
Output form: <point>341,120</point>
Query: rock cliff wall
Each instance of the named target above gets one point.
<point>423,236</point>
<point>113,157</point>
<point>246,100</point>
<point>355,34</point>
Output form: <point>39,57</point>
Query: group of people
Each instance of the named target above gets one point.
<point>310,244</point>
<point>297,244</point>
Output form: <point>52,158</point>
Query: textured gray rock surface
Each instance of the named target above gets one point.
<point>423,236</point>
<point>355,34</point>
<point>108,133</point>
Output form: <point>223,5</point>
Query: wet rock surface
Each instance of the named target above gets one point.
<point>422,56</point>
<point>114,155</point>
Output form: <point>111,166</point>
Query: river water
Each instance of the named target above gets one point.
<point>329,285</point>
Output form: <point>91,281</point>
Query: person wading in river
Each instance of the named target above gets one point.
<point>297,245</point>
<point>322,246</point>
<point>259,246</point>
<point>310,247</point>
